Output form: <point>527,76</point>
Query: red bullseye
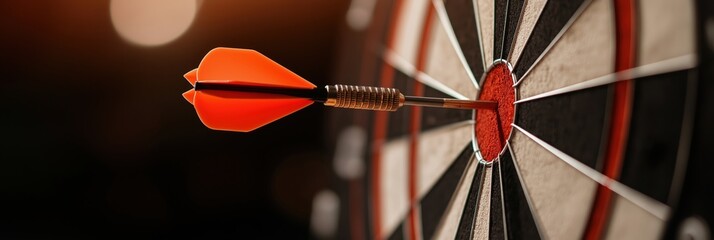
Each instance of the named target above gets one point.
<point>494,127</point>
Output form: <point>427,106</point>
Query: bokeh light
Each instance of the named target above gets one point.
<point>152,22</point>
<point>360,14</point>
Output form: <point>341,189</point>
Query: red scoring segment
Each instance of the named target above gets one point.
<point>494,127</point>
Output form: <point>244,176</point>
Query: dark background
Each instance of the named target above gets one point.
<point>98,142</point>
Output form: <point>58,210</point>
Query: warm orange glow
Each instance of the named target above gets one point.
<point>152,22</point>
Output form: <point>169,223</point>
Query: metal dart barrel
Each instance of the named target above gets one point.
<point>363,97</point>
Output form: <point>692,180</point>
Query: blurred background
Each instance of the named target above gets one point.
<point>97,141</point>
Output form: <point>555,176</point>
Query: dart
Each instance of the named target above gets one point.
<point>242,90</point>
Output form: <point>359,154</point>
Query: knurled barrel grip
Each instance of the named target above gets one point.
<point>362,97</point>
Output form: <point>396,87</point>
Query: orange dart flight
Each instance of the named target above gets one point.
<point>242,90</point>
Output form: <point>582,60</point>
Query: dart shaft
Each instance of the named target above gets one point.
<point>448,103</point>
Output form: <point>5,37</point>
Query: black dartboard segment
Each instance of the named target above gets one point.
<point>554,17</point>
<point>499,22</point>
<point>655,129</point>
<point>506,16</point>
<point>519,217</point>
<point>497,230</point>
<point>468,217</point>
<point>436,201</point>
<point>557,119</point>
<point>463,21</point>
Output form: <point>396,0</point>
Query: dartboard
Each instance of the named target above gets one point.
<point>598,107</point>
